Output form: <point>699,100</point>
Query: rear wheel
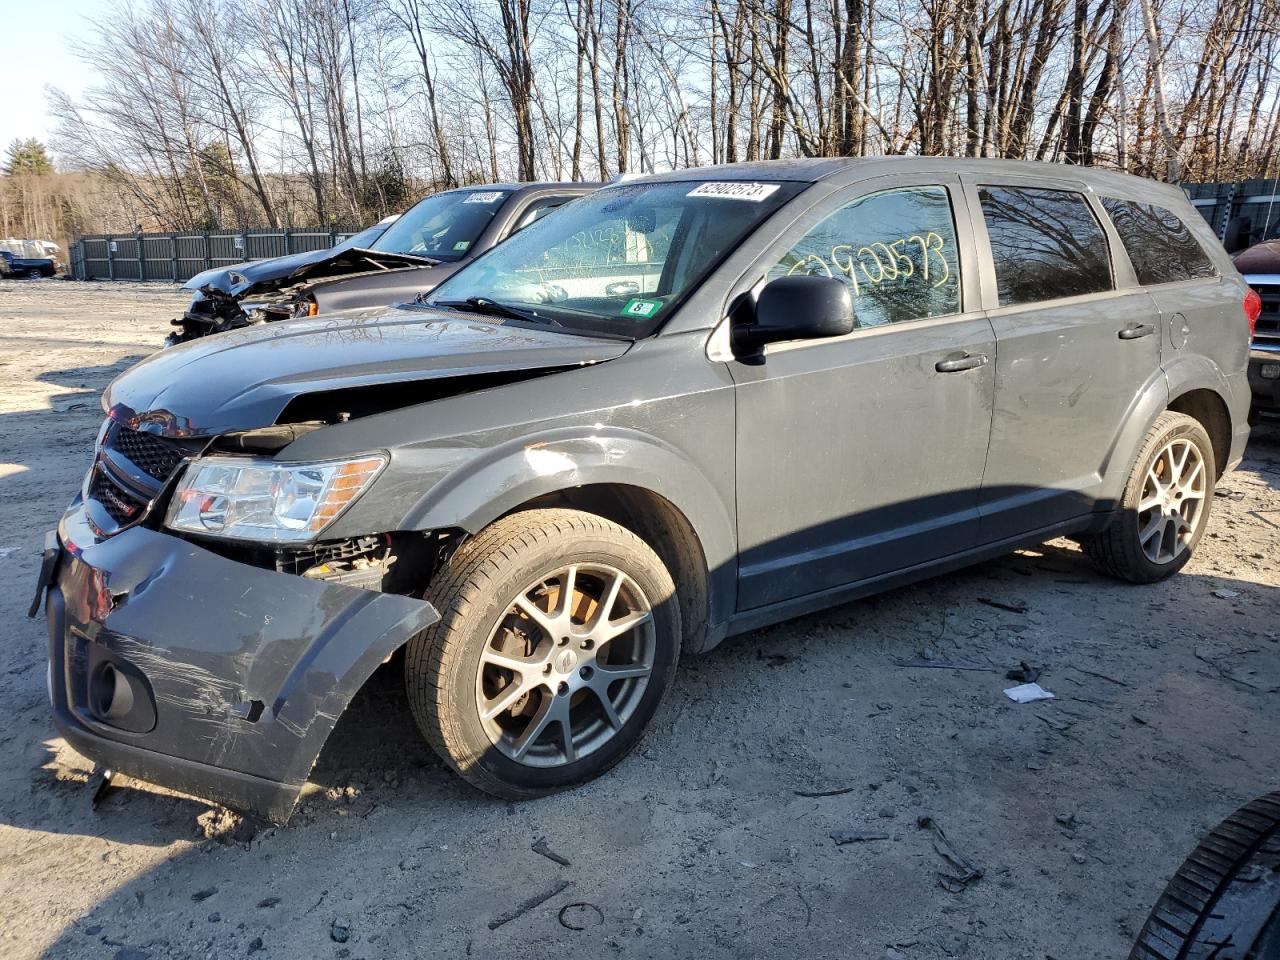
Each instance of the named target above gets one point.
<point>558,640</point>
<point>34,274</point>
<point>1165,507</point>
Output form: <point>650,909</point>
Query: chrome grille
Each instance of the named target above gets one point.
<point>130,471</point>
<point>121,505</point>
<point>156,456</point>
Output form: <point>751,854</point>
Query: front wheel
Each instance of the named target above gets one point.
<point>558,640</point>
<point>1165,507</point>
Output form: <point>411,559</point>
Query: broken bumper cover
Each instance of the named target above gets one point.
<point>183,668</point>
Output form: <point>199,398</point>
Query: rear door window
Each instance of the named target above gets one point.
<point>1046,244</point>
<point>1160,246</point>
<point>895,250</point>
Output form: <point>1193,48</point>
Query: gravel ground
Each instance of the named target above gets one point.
<point>709,841</point>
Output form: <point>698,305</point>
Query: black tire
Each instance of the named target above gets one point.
<point>474,593</point>
<point>1118,551</point>
<point>1224,902</point>
<point>34,274</point>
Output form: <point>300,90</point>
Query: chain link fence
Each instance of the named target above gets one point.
<point>180,256</point>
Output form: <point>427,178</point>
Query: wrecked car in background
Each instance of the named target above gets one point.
<point>207,314</point>
<point>684,407</point>
<point>1260,265</point>
<point>410,256</point>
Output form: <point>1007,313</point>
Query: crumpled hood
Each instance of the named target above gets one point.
<point>265,276</point>
<point>243,379</point>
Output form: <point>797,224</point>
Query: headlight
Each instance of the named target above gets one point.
<point>262,500</point>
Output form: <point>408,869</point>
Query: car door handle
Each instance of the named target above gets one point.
<point>1136,330</point>
<point>956,364</point>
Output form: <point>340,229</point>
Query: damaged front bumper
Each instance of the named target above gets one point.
<point>180,667</point>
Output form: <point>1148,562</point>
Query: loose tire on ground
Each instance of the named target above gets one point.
<point>485,600</point>
<point>1119,550</point>
<point>1224,901</point>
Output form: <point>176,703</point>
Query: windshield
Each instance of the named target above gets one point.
<point>361,239</point>
<point>620,260</point>
<point>443,226</point>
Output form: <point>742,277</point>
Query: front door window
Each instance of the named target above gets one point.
<point>896,250</point>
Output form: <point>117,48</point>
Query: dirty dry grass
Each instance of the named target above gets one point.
<point>714,840</point>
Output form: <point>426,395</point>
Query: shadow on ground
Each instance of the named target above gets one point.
<point>699,843</point>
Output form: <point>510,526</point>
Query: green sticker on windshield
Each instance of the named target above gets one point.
<point>461,245</point>
<point>641,308</point>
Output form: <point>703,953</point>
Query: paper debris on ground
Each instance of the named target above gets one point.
<point>1028,693</point>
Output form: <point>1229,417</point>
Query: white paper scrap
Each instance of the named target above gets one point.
<point>1028,693</point>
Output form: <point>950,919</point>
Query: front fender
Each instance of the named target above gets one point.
<point>500,479</point>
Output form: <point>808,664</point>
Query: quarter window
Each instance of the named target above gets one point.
<point>1045,244</point>
<point>895,250</point>
<point>1160,246</point>
<point>539,209</point>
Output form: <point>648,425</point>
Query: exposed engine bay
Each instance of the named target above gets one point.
<point>279,289</point>
<point>212,311</point>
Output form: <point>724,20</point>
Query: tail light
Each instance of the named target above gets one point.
<point>1252,307</point>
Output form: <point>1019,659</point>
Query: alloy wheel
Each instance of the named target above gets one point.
<point>566,666</point>
<point>1173,496</point>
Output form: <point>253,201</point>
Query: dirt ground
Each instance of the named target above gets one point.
<point>703,844</point>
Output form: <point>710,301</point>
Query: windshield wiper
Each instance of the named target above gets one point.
<point>420,258</point>
<point>494,308</point>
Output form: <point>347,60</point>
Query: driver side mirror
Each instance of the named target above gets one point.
<point>797,308</point>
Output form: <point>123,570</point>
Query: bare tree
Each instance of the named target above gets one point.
<point>1156,69</point>
<point>272,110</point>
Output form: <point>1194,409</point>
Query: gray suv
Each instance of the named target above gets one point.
<point>676,409</point>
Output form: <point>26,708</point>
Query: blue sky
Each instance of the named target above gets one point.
<point>35,51</point>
